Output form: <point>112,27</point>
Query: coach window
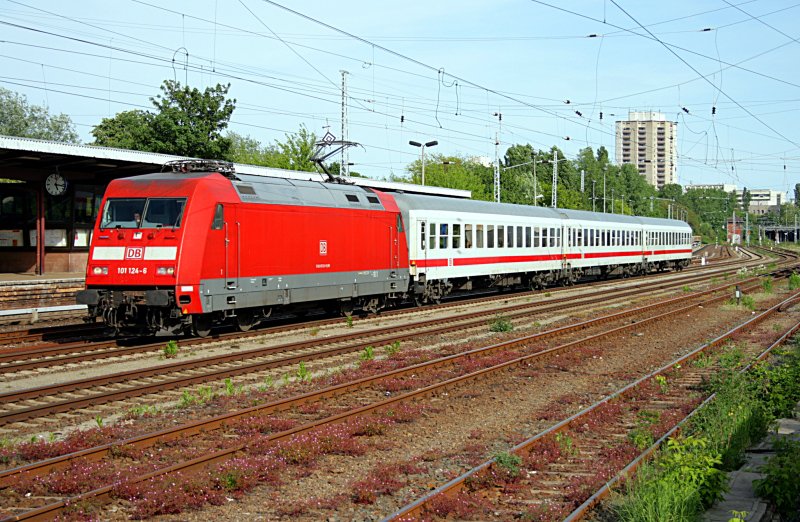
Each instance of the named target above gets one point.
<point>443,233</point>
<point>527,237</point>
<point>422,235</point>
<point>519,237</point>
<point>432,236</point>
<point>456,235</point>
<point>510,236</point>
<point>501,230</point>
<point>537,234</point>
<point>489,236</point>
<point>479,236</point>
<point>468,236</point>
<point>552,235</point>
<point>219,218</point>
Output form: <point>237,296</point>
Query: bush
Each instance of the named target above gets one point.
<point>501,324</point>
<point>781,486</point>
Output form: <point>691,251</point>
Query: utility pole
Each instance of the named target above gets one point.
<point>734,226</point>
<point>535,183</point>
<point>605,168</point>
<point>345,166</point>
<point>747,228</point>
<point>612,201</point>
<point>497,157</point>
<point>582,176</point>
<point>593,198</point>
<point>555,179</point>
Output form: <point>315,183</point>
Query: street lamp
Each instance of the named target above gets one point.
<point>422,153</point>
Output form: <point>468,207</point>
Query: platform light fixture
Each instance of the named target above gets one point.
<point>422,153</point>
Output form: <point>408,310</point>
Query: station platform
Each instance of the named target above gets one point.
<point>22,293</point>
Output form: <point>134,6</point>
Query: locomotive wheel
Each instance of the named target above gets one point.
<point>201,325</point>
<point>245,320</point>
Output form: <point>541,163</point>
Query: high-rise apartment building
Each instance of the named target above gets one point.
<point>649,141</point>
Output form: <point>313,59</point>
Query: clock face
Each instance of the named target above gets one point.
<point>55,184</point>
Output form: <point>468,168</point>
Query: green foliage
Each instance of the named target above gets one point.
<point>294,153</point>
<point>508,462</point>
<point>794,281</point>
<point>348,321</point>
<point>171,349</point>
<point>392,349</point>
<point>98,420</point>
<point>144,409</point>
<point>231,389</point>
<point>766,285</point>
<point>779,384</point>
<point>186,122</point>
<point>501,324</point>
<point>314,331</point>
<point>19,118</point>
<point>303,374</point>
<point>781,485</point>
<point>187,399</point>
<point>367,354</point>
<point>566,444</point>
<point>687,288</point>
<point>737,516</point>
<point>688,460</point>
<point>661,381</point>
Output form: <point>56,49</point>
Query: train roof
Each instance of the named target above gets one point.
<point>408,202</point>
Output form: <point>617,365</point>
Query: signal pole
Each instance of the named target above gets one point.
<point>344,168</point>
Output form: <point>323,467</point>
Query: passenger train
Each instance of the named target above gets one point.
<point>199,245</point>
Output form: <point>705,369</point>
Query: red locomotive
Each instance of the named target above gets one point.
<point>200,245</point>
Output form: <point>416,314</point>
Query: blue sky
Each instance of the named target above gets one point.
<point>444,68</point>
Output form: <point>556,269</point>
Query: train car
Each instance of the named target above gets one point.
<point>185,250</point>
<point>462,245</point>
<point>199,245</point>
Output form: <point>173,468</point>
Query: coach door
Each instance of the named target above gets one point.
<point>421,248</point>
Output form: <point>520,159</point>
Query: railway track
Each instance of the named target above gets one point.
<point>531,343</point>
<point>598,435</point>
<point>42,401</point>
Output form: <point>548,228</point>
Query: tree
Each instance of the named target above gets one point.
<point>19,118</point>
<point>292,154</point>
<point>797,194</point>
<point>186,122</point>
<point>126,130</point>
<point>454,172</point>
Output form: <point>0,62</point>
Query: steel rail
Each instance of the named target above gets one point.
<point>101,494</point>
<point>387,336</point>
<point>414,510</point>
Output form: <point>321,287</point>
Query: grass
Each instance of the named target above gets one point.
<point>794,281</point>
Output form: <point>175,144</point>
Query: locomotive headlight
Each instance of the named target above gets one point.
<point>165,270</point>
<point>100,270</point>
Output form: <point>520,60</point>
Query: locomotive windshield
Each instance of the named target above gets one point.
<point>143,213</point>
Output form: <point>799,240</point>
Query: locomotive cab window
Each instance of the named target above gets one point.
<point>123,213</point>
<point>163,212</point>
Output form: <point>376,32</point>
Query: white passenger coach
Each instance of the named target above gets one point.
<point>461,244</point>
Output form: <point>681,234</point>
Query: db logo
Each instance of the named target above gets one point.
<point>323,248</point>
<point>134,253</point>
